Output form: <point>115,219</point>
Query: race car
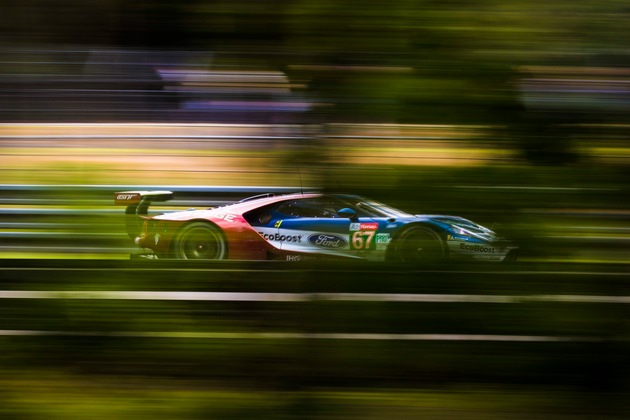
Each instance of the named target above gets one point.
<point>302,226</point>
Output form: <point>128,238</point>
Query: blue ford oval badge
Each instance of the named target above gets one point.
<point>327,241</point>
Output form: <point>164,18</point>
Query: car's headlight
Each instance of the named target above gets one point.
<point>460,231</point>
<point>463,232</point>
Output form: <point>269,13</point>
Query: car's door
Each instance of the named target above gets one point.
<point>315,225</point>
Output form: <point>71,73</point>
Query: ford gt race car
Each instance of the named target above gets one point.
<point>303,226</point>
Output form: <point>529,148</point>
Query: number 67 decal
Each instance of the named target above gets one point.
<point>362,239</point>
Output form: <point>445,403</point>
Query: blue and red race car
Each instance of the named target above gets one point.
<point>303,226</point>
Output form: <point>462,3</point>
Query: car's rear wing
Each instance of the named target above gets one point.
<point>138,203</point>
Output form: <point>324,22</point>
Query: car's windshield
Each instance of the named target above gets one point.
<point>371,208</point>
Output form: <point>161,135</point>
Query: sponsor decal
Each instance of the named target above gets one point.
<point>123,197</point>
<point>327,241</point>
<point>277,224</point>
<point>363,226</point>
<point>477,248</point>
<point>127,198</point>
<point>382,238</point>
<point>225,216</point>
<point>281,238</point>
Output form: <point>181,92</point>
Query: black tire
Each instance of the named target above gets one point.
<point>418,245</point>
<point>200,241</point>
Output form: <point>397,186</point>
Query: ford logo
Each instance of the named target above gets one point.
<point>327,241</point>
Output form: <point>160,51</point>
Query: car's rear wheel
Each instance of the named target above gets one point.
<point>419,245</point>
<point>200,241</point>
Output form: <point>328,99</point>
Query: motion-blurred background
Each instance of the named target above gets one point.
<point>511,113</point>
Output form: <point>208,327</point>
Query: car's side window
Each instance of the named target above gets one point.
<point>314,207</point>
<point>259,217</point>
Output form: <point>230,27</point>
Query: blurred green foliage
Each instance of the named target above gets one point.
<point>58,395</point>
<point>104,358</point>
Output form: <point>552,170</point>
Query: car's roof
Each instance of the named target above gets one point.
<point>253,203</point>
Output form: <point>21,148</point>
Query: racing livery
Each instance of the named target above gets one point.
<point>301,226</point>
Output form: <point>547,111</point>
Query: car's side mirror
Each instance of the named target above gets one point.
<point>348,213</point>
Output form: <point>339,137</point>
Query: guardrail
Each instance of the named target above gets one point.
<point>80,219</point>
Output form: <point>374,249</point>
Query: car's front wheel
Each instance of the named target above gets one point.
<point>419,245</point>
<point>200,241</point>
